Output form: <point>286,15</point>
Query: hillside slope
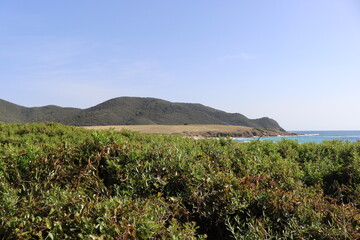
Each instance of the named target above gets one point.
<point>10,112</point>
<point>132,111</point>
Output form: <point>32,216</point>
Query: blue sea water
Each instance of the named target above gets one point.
<point>312,136</point>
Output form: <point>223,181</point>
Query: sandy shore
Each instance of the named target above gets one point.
<point>198,130</point>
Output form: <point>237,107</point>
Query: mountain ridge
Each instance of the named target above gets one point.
<point>131,111</point>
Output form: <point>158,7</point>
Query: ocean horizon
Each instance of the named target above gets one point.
<point>312,136</point>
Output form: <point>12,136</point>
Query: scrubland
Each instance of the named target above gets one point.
<point>61,182</point>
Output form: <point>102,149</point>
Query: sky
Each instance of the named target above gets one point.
<point>297,61</point>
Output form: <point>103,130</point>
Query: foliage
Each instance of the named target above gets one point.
<point>60,182</point>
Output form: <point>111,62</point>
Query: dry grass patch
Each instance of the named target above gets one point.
<point>195,130</point>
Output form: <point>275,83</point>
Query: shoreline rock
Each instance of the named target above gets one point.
<point>248,133</point>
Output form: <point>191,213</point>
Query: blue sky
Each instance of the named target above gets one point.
<point>295,61</point>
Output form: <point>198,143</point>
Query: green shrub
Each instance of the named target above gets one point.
<point>61,182</point>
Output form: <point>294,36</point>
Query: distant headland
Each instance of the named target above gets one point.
<point>143,111</point>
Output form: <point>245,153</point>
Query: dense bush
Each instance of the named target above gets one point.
<point>60,182</point>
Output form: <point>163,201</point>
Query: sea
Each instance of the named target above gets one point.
<point>312,136</point>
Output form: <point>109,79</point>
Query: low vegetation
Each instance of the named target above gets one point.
<point>60,182</point>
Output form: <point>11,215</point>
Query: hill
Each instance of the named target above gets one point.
<point>132,111</point>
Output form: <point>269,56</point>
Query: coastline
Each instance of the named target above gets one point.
<point>198,130</point>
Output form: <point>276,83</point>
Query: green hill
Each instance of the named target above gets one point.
<point>131,111</point>
<point>10,112</point>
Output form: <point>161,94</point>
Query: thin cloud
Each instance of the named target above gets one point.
<point>96,82</point>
